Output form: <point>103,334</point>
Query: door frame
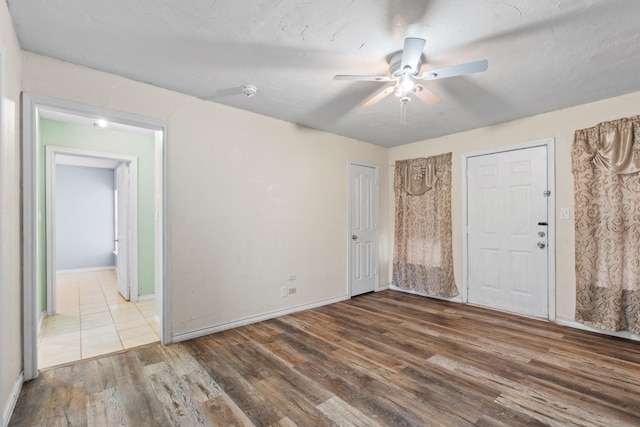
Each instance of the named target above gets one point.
<point>50,217</point>
<point>32,106</point>
<point>126,272</point>
<point>376,216</point>
<point>2,181</point>
<point>549,143</point>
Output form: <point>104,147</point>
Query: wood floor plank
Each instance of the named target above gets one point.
<point>225,412</point>
<point>105,409</point>
<point>180,408</point>
<point>139,400</point>
<point>141,405</point>
<point>67,403</point>
<point>343,414</point>
<point>300,410</point>
<point>32,405</point>
<point>312,391</point>
<point>254,405</point>
<point>387,359</point>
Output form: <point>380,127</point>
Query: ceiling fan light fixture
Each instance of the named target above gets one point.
<point>406,84</point>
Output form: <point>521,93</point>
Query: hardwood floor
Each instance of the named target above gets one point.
<point>387,359</point>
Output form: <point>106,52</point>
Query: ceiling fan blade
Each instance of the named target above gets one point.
<point>377,97</point>
<point>411,53</point>
<point>456,70</point>
<point>363,78</point>
<point>426,96</point>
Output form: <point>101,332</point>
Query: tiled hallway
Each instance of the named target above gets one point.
<point>93,319</point>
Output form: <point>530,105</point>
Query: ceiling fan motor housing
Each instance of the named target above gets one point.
<point>395,65</point>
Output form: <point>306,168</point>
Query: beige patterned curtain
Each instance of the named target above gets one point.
<point>422,258</point>
<point>606,162</point>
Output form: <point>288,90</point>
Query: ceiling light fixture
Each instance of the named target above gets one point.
<point>101,123</point>
<point>406,84</point>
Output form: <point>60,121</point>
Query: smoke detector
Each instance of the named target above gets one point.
<point>249,90</point>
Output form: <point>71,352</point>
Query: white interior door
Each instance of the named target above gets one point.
<point>363,202</point>
<point>123,229</point>
<point>507,231</point>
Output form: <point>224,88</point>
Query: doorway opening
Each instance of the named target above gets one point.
<point>133,145</point>
<point>92,292</point>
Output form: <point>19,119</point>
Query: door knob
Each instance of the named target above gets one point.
<point>354,237</point>
<point>542,245</point>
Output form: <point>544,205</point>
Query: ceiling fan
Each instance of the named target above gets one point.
<point>404,67</point>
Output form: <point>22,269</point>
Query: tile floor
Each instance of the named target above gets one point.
<point>93,319</point>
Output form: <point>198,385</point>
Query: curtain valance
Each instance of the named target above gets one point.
<point>417,176</point>
<point>611,145</point>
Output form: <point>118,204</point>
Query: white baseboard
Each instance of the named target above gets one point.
<point>577,325</point>
<point>13,399</point>
<point>560,321</point>
<point>384,288</point>
<point>254,319</point>
<point>422,294</point>
<point>149,297</point>
<point>83,270</point>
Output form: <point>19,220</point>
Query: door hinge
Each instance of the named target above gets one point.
<point>546,193</point>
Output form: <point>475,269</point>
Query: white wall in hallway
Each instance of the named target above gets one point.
<point>85,217</point>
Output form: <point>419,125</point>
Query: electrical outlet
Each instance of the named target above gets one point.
<point>284,292</point>
<point>292,277</point>
<point>292,291</point>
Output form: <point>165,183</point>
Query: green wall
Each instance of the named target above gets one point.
<point>69,135</point>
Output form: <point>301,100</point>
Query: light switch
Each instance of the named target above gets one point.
<point>564,213</point>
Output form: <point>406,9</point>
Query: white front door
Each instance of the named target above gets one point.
<point>123,229</point>
<point>363,220</point>
<point>507,231</point>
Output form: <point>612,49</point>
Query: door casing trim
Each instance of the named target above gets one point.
<point>549,143</point>
<point>31,106</point>
<point>51,189</point>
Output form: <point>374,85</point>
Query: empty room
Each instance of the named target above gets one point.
<point>369,213</point>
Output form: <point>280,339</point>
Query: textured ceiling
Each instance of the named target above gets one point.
<point>543,55</point>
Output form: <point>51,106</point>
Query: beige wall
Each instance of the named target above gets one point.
<point>11,294</point>
<point>252,199</point>
<point>559,125</point>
